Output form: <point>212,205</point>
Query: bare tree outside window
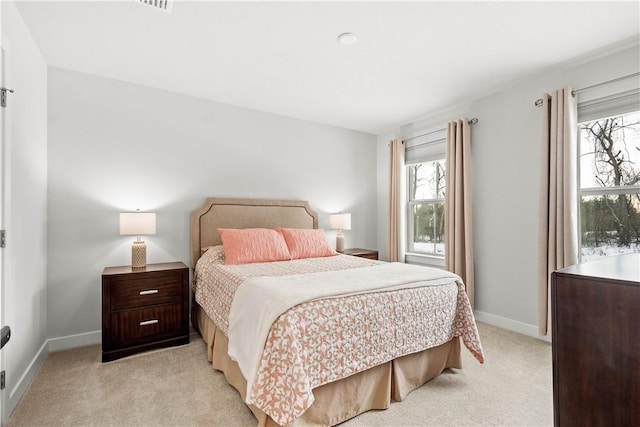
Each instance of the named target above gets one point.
<point>610,186</point>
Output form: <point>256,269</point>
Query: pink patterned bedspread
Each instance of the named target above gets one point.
<point>328,339</point>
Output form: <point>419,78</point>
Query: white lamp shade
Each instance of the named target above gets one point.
<point>341,221</point>
<point>137,223</point>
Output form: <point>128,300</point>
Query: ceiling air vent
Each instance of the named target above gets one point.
<point>164,5</point>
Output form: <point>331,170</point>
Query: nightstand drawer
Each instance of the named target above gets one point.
<point>145,292</point>
<point>149,324</point>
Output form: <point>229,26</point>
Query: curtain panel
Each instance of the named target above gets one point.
<point>558,229</point>
<point>395,227</point>
<point>457,204</point>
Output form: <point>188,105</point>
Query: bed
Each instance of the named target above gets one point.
<point>326,358</point>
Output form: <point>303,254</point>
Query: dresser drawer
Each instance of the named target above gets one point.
<point>145,292</point>
<point>149,324</point>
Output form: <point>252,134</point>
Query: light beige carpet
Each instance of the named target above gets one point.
<point>177,387</point>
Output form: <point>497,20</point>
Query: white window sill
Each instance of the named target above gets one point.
<point>424,259</point>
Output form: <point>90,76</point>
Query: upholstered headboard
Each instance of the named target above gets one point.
<point>245,213</point>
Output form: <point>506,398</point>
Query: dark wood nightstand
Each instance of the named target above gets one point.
<point>362,253</point>
<point>144,308</point>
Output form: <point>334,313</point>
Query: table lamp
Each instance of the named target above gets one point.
<point>340,222</point>
<point>138,224</point>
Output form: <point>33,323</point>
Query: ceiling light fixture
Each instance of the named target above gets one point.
<point>347,39</point>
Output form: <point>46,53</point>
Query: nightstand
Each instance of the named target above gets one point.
<point>362,253</point>
<point>144,308</point>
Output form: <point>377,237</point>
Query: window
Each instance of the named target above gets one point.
<point>425,163</point>
<point>609,184</point>
<point>426,207</point>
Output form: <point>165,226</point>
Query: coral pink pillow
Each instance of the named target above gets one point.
<point>306,243</point>
<point>253,245</point>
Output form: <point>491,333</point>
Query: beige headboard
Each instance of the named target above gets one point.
<point>245,213</point>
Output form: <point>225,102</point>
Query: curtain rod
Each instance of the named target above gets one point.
<point>538,102</point>
<point>473,121</point>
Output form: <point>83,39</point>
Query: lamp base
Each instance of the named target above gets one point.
<point>138,254</point>
<point>340,242</point>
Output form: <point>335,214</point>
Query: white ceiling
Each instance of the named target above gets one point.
<point>411,59</point>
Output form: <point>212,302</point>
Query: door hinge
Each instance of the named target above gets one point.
<point>2,375</point>
<point>3,238</point>
<point>3,96</point>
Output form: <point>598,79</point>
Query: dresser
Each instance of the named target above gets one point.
<point>596,343</point>
<point>144,308</point>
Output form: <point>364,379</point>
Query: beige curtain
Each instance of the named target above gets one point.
<point>458,237</point>
<point>395,229</point>
<point>558,238</point>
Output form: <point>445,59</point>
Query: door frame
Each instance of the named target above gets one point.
<point>3,169</point>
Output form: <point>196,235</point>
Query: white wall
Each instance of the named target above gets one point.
<point>506,171</point>
<point>25,303</point>
<point>115,146</point>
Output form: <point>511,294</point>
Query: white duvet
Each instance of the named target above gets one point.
<point>259,301</point>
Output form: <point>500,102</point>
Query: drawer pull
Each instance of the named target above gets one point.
<point>149,292</point>
<point>149,322</point>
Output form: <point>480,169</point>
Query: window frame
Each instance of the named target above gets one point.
<point>411,203</point>
<point>427,144</point>
<point>591,111</point>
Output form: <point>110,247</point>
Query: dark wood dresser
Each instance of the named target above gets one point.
<point>144,308</point>
<point>596,343</point>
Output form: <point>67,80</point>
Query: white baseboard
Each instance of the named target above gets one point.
<point>72,341</point>
<point>26,379</point>
<point>510,324</point>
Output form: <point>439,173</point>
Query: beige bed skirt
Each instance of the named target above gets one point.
<point>341,400</point>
